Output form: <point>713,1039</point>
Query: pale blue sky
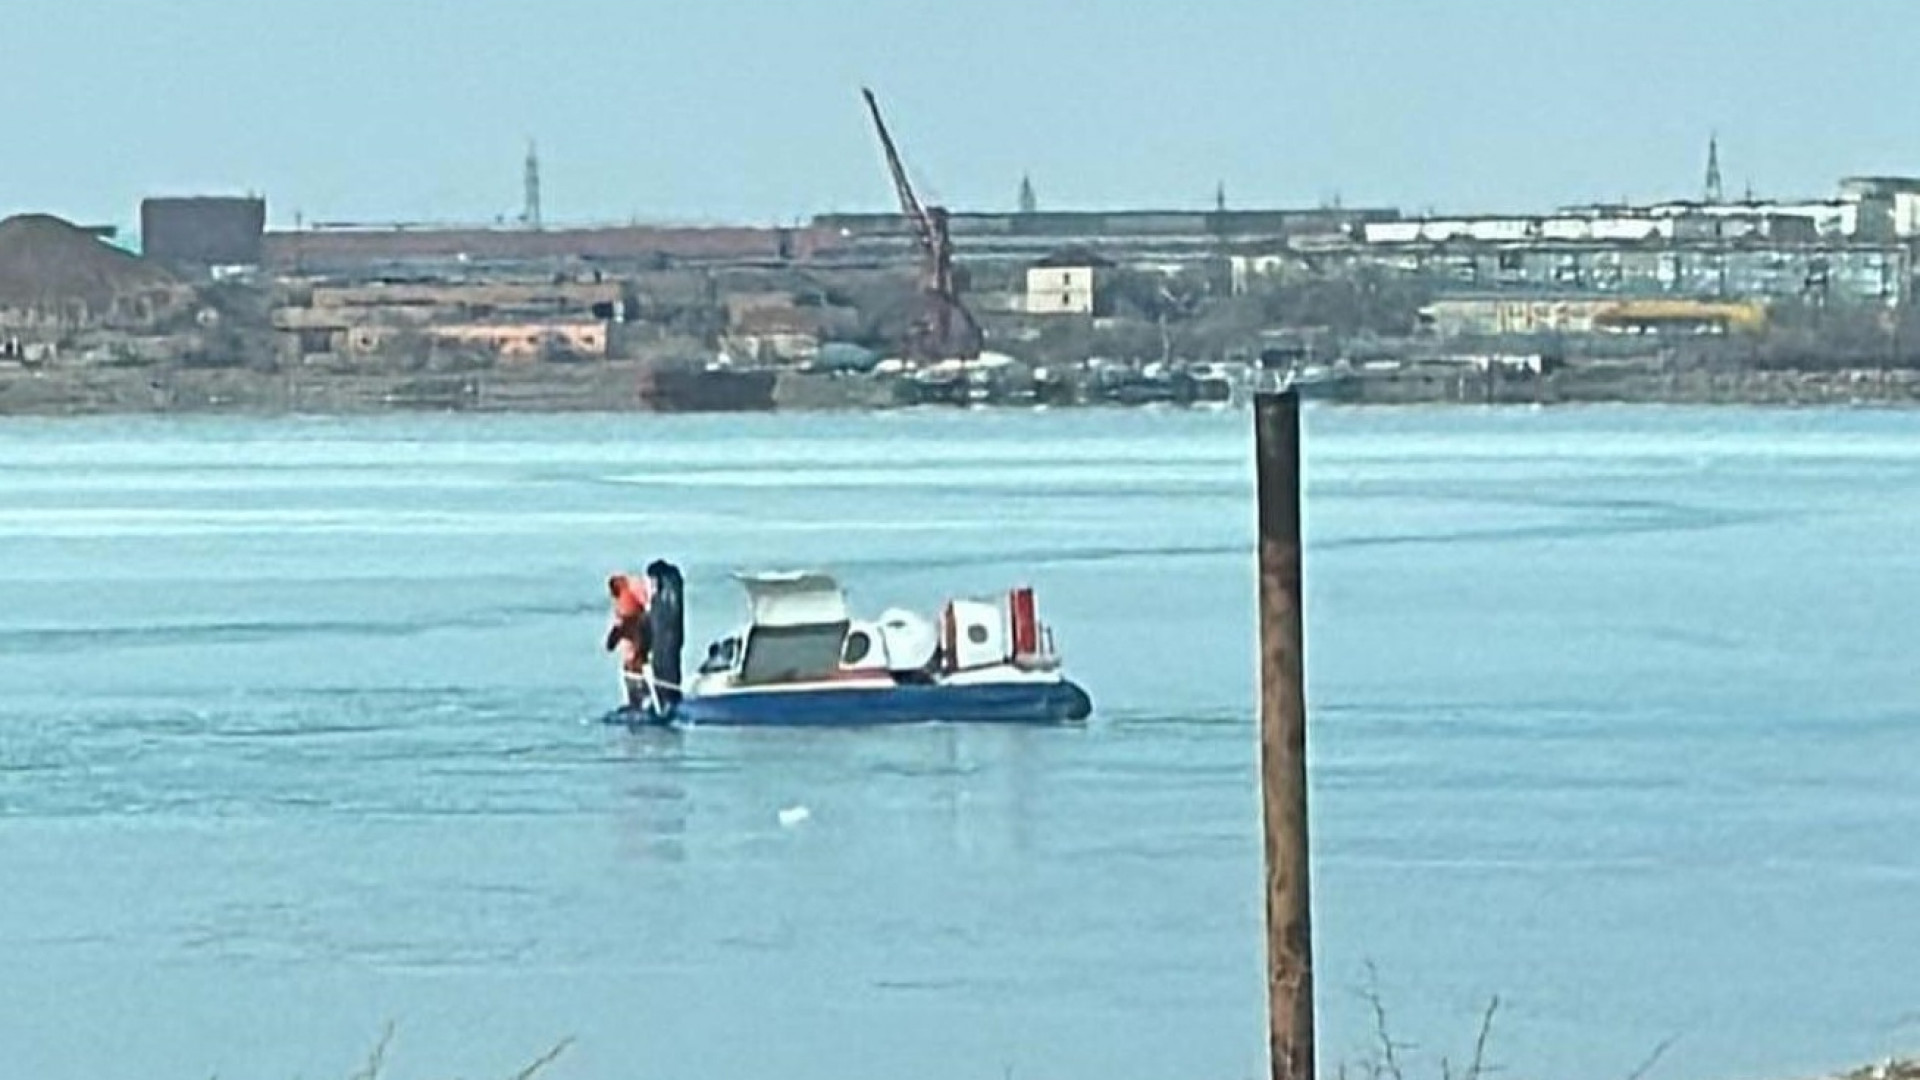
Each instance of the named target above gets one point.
<point>749,110</point>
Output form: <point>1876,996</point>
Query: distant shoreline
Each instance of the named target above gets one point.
<point>616,388</point>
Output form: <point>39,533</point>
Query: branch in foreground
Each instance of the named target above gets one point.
<point>1653,1059</point>
<point>377,1057</point>
<point>544,1060</point>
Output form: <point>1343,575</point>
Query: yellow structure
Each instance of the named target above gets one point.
<point>1683,316</point>
<point>1524,315</point>
<point>509,341</point>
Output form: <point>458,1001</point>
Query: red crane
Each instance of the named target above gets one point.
<point>943,327</point>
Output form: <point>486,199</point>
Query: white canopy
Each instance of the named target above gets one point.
<point>795,598</point>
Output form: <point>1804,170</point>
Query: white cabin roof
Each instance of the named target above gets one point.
<point>794,598</point>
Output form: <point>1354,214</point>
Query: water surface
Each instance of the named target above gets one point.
<point>1614,715</point>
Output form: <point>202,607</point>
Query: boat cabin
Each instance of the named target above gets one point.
<point>800,630</point>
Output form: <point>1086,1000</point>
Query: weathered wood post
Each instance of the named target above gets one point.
<point>1283,735</point>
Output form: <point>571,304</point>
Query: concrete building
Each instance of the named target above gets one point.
<point>1680,222</point>
<point>1856,213</point>
<point>513,319</point>
<point>469,299</point>
<point>1900,195</point>
<point>1065,282</point>
<point>1060,290</point>
<point>1703,266</point>
<point>1058,227</point>
<point>203,232</point>
<point>1805,221</point>
<point>1126,237</point>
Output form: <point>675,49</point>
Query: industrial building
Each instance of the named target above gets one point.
<point>510,319</point>
<point>1857,246</point>
<point>400,248</point>
<point>1057,227</point>
<point>202,232</point>
<point>523,289</point>
<point>1166,236</point>
<point>1875,272</point>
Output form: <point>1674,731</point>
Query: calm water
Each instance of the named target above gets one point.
<point>1616,715</point>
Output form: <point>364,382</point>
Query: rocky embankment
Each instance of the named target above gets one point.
<point>1630,385</point>
<point>78,392</point>
<point>625,386</point>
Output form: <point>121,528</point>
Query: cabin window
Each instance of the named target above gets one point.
<point>859,646</point>
<point>977,634</point>
<point>788,653</point>
<point>721,655</point>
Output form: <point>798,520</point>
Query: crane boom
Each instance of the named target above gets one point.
<point>909,203</point>
<point>944,327</point>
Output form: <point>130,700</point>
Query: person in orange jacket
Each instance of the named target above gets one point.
<point>629,629</point>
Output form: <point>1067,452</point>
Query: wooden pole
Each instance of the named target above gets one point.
<point>1283,733</point>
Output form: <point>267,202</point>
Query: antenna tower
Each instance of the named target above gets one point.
<point>1714,191</point>
<point>530,212</point>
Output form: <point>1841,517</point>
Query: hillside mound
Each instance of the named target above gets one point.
<point>48,263</point>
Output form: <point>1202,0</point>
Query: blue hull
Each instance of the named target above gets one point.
<point>979,703</point>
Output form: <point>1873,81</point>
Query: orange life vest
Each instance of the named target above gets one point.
<point>629,619</point>
<point>629,596</point>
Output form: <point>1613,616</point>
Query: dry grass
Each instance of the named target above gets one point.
<point>374,1068</point>
<point>1386,1058</point>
